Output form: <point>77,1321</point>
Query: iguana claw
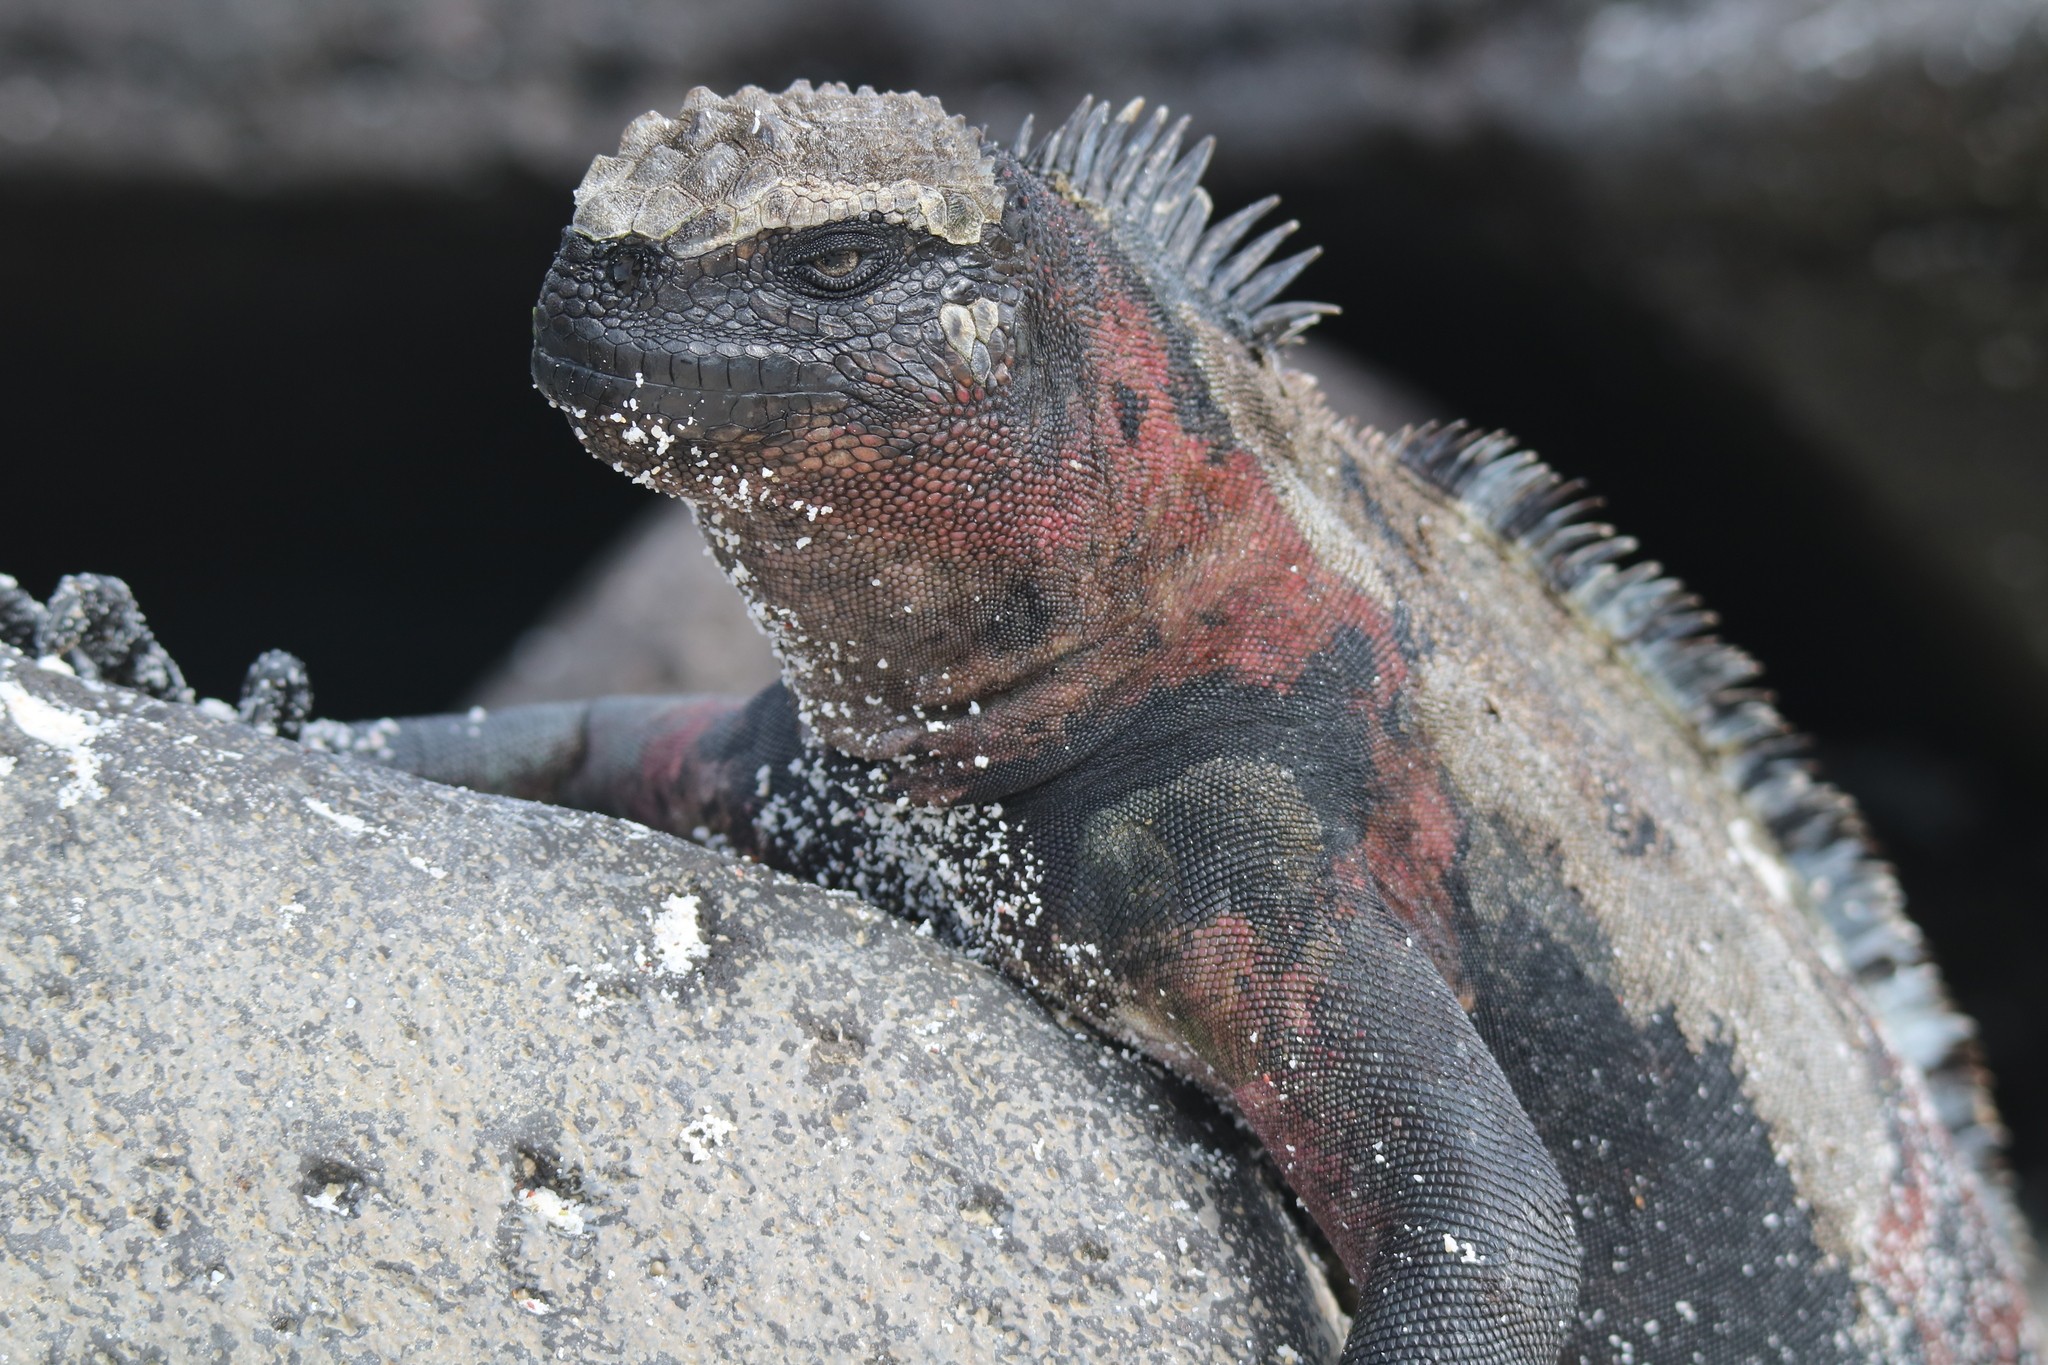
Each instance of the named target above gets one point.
<point>21,616</point>
<point>92,624</point>
<point>277,694</point>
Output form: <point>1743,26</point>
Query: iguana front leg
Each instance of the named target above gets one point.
<point>1214,931</point>
<point>1363,1078</point>
<point>661,761</point>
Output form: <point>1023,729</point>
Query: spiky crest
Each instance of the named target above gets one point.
<point>1132,168</point>
<point>1665,633</point>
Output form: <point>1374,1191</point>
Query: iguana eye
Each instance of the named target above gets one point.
<point>836,265</point>
<point>837,260</point>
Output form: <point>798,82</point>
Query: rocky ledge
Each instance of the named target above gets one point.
<point>300,1053</point>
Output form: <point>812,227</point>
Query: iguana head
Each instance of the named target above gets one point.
<point>954,415</point>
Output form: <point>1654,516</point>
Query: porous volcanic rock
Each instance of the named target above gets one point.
<point>300,1053</point>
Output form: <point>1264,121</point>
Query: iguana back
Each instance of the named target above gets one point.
<point>1660,920</point>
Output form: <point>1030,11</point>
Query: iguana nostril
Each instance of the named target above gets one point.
<point>629,266</point>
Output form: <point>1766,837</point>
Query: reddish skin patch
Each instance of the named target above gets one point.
<point>1409,850</point>
<point>1356,1227</point>
<point>1926,1222</point>
<point>1240,596</point>
<point>1258,1014</point>
<point>1246,989</point>
<point>1898,1262</point>
<point>675,788</point>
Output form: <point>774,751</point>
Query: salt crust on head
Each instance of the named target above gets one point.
<point>723,170</point>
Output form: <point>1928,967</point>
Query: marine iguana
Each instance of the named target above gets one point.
<point>1352,775</point>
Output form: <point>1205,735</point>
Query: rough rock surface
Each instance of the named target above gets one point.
<point>300,1054</point>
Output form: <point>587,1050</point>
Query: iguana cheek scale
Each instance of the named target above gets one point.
<point>1350,775</point>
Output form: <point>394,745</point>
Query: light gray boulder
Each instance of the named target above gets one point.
<point>297,1054</point>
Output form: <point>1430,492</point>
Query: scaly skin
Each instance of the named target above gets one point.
<point>1237,734</point>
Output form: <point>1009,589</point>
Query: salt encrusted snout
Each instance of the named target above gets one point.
<point>665,387</point>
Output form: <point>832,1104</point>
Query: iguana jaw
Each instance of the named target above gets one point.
<point>734,404</point>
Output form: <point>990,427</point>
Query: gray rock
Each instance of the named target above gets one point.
<point>302,1054</point>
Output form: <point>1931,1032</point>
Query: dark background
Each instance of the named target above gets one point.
<point>1774,280</point>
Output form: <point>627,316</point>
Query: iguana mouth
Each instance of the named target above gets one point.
<point>699,394</point>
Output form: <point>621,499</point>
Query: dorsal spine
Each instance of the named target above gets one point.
<point>1131,168</point>
<point>1666,635</point>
